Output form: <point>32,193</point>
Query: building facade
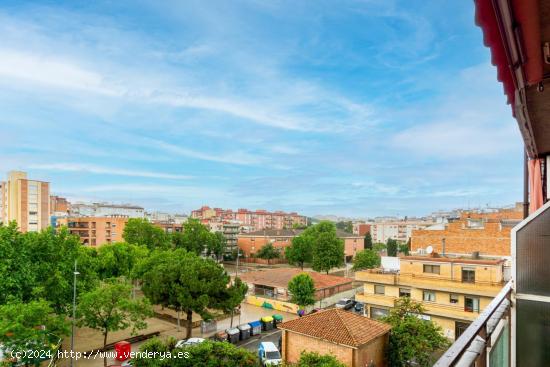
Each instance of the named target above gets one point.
<point>107,210</point>
<point>95,231</point>
<point>400,230</point>
<point>453,291</point>
<point>59,206</point>
<point>26,202</point>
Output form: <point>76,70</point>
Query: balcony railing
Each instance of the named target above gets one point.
<point>476,344</point>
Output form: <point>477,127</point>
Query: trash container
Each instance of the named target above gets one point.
<point>245,331</point>
<point>255,327</point>
<point>277,319</point>
<point>267,323</point>
<point>233,335</point>
<point>122,350</point>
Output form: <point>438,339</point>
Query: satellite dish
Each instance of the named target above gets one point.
<point>429,249</point>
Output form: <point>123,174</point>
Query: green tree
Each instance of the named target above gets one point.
<point>313,359</point>
<point>413,340</point>
<point>110,308</point>
<point>328,252</point>
<point>300,251</point>
<point>196,236</point>
<point>268,252</point>
<point>379,247</point>
<point>234,295</point>
<point>404,247</point>
<point>206,354</point>
<point>366,259</point>
<point>346,226</point>
<point>119,259</point>
<point>391,245</point>
<point>216,245</point>
<point>30,325</point>
<point>302,290</point>
<point>185,282</point>
<point>368,241</point>
<point>139,231</point>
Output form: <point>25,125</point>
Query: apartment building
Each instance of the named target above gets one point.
<point>107,210</point>
<point>400,230</point>
<point>453,291</point>
<point>251,220</point>
<point>95,231</point>
<point>25,201</point>
<point>59,206</point>
<point>486,233</point>
<point>361,229</point>
<point>251,243</point>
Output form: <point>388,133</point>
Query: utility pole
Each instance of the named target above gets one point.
<point>75,273</point>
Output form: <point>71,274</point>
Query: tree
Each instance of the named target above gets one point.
<point>216,245</point>
<point>366,259</point>
<point>110,308</point>
<point>405,247</point>
<point>328,252</point>
<point>313,359</point>
<point>300,251</point>
<point>139,231</point>
<point>30,325</point>
<point>196,236</point>
<point>234,296</point>
<point>184,281</point>
<point>379,247</point>
<point>368,241</point>
<point>119,259</point>
<point>206,354</point>
<point>346,226</point>
<point>413,340</point>
<point>302,290</point>
<point>391,245</point>
<point>268,252</point>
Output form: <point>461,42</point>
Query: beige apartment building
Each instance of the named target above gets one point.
<point>453,291</point>
<point>25,201</point>
<point>95,231</point>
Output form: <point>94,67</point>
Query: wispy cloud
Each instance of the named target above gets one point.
<point>100,170</point>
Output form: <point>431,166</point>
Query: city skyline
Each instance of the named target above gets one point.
<point>174,106</point>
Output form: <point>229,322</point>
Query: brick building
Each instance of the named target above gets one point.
<point>486,233</point>
<point>251,243</point>
<point>353,339</point>
<point>250,220</point>
<point>59,206</point>
<point>361,229</point>
<point>95,231</point>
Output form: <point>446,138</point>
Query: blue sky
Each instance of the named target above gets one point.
<point>357,108</point>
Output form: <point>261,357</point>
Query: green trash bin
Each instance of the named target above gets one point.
<point>277,319</point>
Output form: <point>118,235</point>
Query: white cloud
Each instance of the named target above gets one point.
<point>72,167</point>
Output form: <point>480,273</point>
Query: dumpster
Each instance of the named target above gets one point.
<point>277,319</point>
<point>255,327</point>
<point>233,335</point>
<point>245,331</point>
<point>122,350</point>
<point>267,323</point>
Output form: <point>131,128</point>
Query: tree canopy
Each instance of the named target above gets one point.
<point>391,246</point>
<point>328,252</point>
<point>110,308</point>
<point>302,290</point>
<point>184,281</point>
<point>366,259</point>
<point>300,251</point>
<point>119,259</point>
<point>345,226</point>
<point>313,359</point>
<point>268,252</point>
<point>196,237</point>
<point>139,231</point>
<point>216,245</point>
<point>413,340</point>
<point>368,241</point>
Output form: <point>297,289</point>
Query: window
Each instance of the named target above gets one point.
<point>404,292</point>
<point>471,304</point>
<point>434,269</point>
<point>379,289</point>
<point>428,296</point>
<point>468,275</point>
<point>453,298</point>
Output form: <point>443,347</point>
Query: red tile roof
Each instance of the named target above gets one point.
<point>338,326</point>
<point>280,277</point>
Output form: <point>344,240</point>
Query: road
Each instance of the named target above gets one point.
<point>267,336</point>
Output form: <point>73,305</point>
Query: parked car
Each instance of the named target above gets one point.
<point>359,307</point>
<point>345,303</point>
<point>127,363</point>
<point>188,342</point>
<point>269,354</point>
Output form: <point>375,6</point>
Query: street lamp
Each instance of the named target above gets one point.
<point>75,273</point>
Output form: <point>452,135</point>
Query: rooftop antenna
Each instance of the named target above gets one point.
<point>429,250</point>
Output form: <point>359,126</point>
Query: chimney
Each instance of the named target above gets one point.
<point>443,247</point>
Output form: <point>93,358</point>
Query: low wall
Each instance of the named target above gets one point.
<point>257,260</point>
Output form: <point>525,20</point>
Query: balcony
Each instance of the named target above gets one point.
<point>376,276</point>
<point>376,299</point>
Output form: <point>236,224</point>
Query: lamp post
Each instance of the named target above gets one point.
<point>75,273</point>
